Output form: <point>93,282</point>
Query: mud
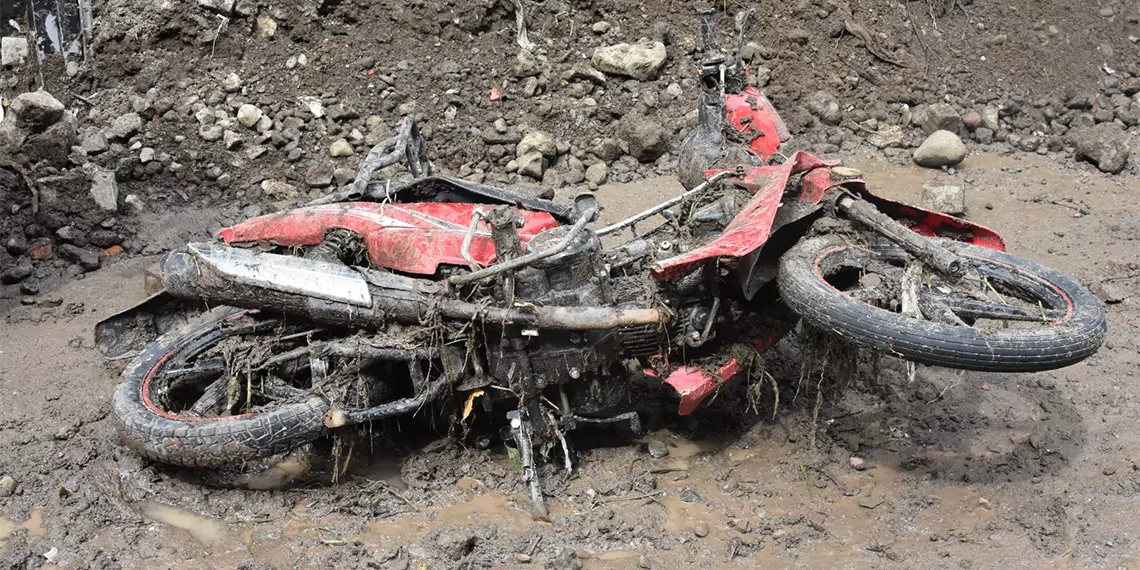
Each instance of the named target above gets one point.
<point>958,470</point>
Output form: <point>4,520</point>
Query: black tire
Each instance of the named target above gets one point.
<point>1067,340</point>
<point>204,442</point>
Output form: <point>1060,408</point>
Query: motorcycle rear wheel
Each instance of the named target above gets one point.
<point>162,433</point>
<point>830,282</point>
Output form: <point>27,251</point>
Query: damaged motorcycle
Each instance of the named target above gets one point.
<point>389,297</point>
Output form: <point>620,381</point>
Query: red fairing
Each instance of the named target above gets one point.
<point>752,114</point>
<point>413,238</point>
<point>751,227</point>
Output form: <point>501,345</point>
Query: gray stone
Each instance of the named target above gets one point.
<point>146,154</point>
<point>231,83</point>
<point>248,115</point>
<point>532,164</point>
<point>941,148</point>
<point>600,27</point>
<point>824,106</point>
<point>95,143</point>
<point>646,139</point>
<point>319,176</point>
<point>266,26</point>
<point>608,149</point>
<point>13,52</point>
<point>991,119</point>
<point>537,141</point>
<point>104,189</point>
<point>888,136</point>
<point>343,175</point>
<point>597,173</point>
<point>945,198</point>
<point>526,64</point>
<point>224,7</point>
<point>1105,145</point>
<point>84,258</point>
<point>18,272</point>
<point>983,135</point>
<point>942,117</point>
<point>124,126</point>
<point>36,110</point>
<point>657,449</point>
<point>7,486</point>
<point>210,132</point>
<point>340,148</point>
<point>231,139</point>
<point>642,61</point>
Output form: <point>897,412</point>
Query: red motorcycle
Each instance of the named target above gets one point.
<point>377,301</point>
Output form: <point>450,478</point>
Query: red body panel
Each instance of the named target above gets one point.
<point>413,238</point>
<point>752,114</point>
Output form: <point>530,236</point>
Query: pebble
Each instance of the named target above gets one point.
<point>248,115</point>
<point>858,463</point>
<point>600,27</point>
<point>692,497</point>
<point>146,154</point>
<point>522,558</point>
<point>657,449</point>
<point>231,139</point>
<point>945,198</point>
<point>701,530</point>
<point>231,83</point>
<point>340,148</point>
<point>7,486</point>
<point>210,132</point>
<point>125,125</point>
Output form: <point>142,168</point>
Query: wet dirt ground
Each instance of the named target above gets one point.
<point>957,470</point>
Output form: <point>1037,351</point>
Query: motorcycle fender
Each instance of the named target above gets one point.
<point>127,332</point>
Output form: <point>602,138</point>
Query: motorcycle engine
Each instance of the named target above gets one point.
<point>571,277</point>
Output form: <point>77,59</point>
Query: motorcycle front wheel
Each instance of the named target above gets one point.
<point>1006,314</point>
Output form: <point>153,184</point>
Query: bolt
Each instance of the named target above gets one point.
<point>575,373</point>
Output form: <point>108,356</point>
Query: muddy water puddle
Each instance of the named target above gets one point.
<point>34,527</point>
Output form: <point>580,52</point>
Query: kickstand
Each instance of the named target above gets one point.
<point>520,431</point>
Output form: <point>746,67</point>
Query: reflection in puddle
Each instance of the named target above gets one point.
<point>385,468</point>
<point>207,530</point>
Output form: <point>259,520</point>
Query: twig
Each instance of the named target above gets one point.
<point>84,99</point>
<point>534,545</point>
<point>624,499</point>
<point>28,181</point>
<point>942,393</point>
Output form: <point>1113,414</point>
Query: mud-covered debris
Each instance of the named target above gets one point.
<point>657,449</point>
<point>7,486</point>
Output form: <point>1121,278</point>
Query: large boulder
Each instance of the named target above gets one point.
<point>641,61</point>
<point>1105,145</point>
<point>646,139</point>
<point>941,148</point>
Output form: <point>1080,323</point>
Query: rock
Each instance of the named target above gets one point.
<point>1110,294</point>
<point>124,126</point>
<point>231,83</point>
<point>231,139</point>
<point>983,135</point>
<point>104,189</point>
<point>674,90</point>
<point>248,115</point>
<point>600,27</point>
<point>210,132</point>
<point>691,497</point>
<point>858,463</point>
<point>224,7</point>
<point>340,148</point>
<point>36,110</point>
<point>532,164</point>
<point>85,258</point>
<point>972,119</point>
<point>266,27</point>
<point>596,174</point>
<point>1105,145</point>
<point>13,52</point>
<point>945,198</point>
<point>607,149</point>
<point>279,190</point>
<point>941,117</point>
<point>7,486</point>
<point>824,106</point>
<point>343,175</point>
<point>991,119</point>
<point>642,61</point>
<point>657,449</point>
<point>941,148</point>
<point>146,154</point>
<point>18,272</point>
<point>701,530</point>
<point>526,64</point>
<point>646,139</point>
<point>537,141</point>
<point>94,143</point>
<point>319,176</point>
<point>888,136</point>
